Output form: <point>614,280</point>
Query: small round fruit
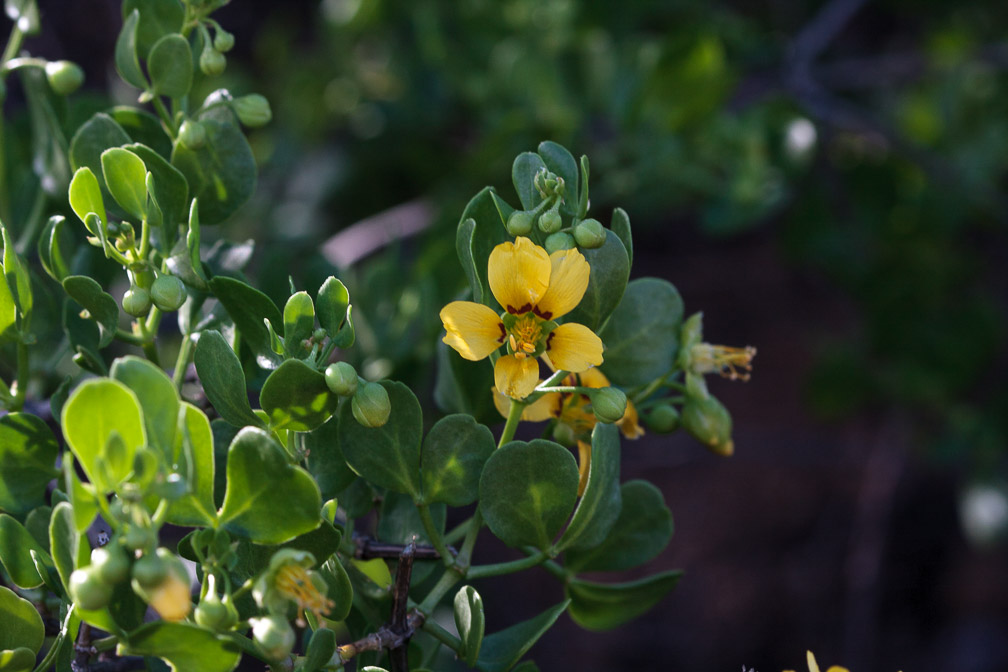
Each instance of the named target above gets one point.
<point>550,221</point>
<point>274,635</point>
<point>212,62</point>
<point>590,233</point>
<point>87,590</point>
<point>110,563</point>
<point>519,223</point>
<point>663,419</point>
<point>559,241</point>
<point>192,134</point>
<point>216,614</point>
<point>168,293</point>
<point>608,404</point>
<point>253,110</point>
<point>136,301</point>
<point>223,40</point>
<point>150,570</point>
<point>341,378</point>
<point>370,405</point>
<point>64,77</point>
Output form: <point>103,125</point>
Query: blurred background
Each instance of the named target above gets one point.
<point>825,180</point>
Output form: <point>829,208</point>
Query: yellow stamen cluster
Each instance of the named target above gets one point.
<point>524,336</point>
<point>729,362</point>
<point>295,583</point>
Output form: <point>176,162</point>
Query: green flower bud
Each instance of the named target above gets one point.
<point>168,293</point>
<point>690,334</point>
<point>110,563</point>
<point>136,301</point>
<point>370,405</point>
<point>559,241</point>
<point>519,223</point>
<point>341,378</point>
<point>590,233</point>
<point>192,134</point>
<point>64,77</point>
<point>274,635</point>
<point>215,613</point>
<point>223,41</point>
<point>708,421</point>
<point>150,570</point>
<point>139,538</point>
<point>319,334</point>
<point>663,419</point>
<point>162,581</point>
<point>253,110</point>
<point>550,221</point>
<point>608,404</point>
<point>87,590</point>
<point>212,62</point>
<point>696,386</point>
<point>143,275</point>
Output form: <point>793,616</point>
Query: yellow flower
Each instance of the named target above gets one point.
<point>534,288</point>
<point>813,666</point>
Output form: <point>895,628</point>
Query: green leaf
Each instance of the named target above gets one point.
<point>600,505</point>
<point>85,508</point>
<point>183,646</point>
<point>503,649</point>
<point>620,225</point>
<point>399,521</point>
<point>248,307</point>
<point>469,622</point>
<point>643,529</point>
<point>102,308</point>
<point>65,542</point>
<point>299,323</point>
<point>22,625</point>
<point>126,179</point>
<point>86,197</point>
<point>583,200</point>
<point>296,397</point>
<point>49,149</point>
<point>159,400</point>
<point>599,606</point>
<point>452,459</point>
<point>485,233</point>
<point>16,275</point>
<point>53,245</point>
<point>84,336</point>
<point>320,649</point>
<point>527,491</point>
<point>610,270</point>
<point>28,453</point>
<point>461,385</point>
<point>95,136</point>
<point>8,309</point>
<point>340,588</point>
<point>157,18</point>
<point>20,659</point>
<point>560,161</point>
<point>16,546</point>
<point>642,336</point>
<point>334,312</point>
<point>94,410</point>
<point>267,500</point>
<point>170,66</point>
<point>523,172</point>
<point>325,459</point>
<point>221,173</point>
<point>389,455</point>
<point>196,439</point>
<point>126,60</point>
<point>223,380</point>
<point>143,128</point>
<point>170,193</point>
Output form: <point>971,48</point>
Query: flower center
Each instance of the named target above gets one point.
<point>294,582</point>
<point>524,336</point>
<point>723,360</point>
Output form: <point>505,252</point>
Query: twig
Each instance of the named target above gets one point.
<point>368,547</point>
<point>400,596</point>
<point>84,650</point>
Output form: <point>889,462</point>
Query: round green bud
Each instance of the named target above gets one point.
<point>87,590</point>
<point>138,538</point>
<point>550,221</point>
<point>319,334</point>
<point>192,134</point>
<point>212,62</point>
<point>590,233</point>
<point>274,635</point>
<point>663,419</point>
<point>64,77</point>
<point>519,223</point>
<point>341,378</point>
<point>168,293</point>
<point>708,421</point>
<point>253,110</point>
<point>150,570</point>
<point>560,240</point>
<point>216,614</point>
<point>370,405</point>
<point>136,301</point>
<point>608,404</point>
<point>223,40</point>
<point>110,563</point>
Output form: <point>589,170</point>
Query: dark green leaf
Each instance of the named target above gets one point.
<point>399,521</point>
<point>296,397</point>
<point>143,128</point>
<point>65,542</point>
<point>325,459</point>
<point>248,307</point>
<point>610,270</point>
<point>49,147</point>
<point>452,459</point>
<point>320,649</point>
<point>461,385</point>
<point>94,410</point>
<point>599,606</point>
<point>28,453</point>
<point>600,505</point>
<point>583,199</point>
<point>22,625</point>
<point>620,225</point>
<point>53,245</point>
<point>487,231</point>
<point>502,650</point>
<point>184,646</point>
<point>523,172</point>
<point>470,623</point>
<point>527,491</point>
<point>171,192</point>
<point>223,381</point>
<point>100,305</point>
<point>170,66</point>
<point>16,546</point>
<point>157,18</point>
<point>221,173</point>
<point>126,60</point>
<point>84,337</point>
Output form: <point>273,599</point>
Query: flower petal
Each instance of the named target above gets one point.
<point>474,330</point>
<point>574,347</point>
<point>629,424</point>
<point>568,280</point>
<point>516,378</point>
<point>519,275</point>
<point>545,407</point>
<point>584,466</point>
<point>593,378</point>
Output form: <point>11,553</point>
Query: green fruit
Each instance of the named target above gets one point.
<point>663,419</point>
<point>223,40</point>
<point>110,563</point>
<point>709,422</point>
<point>87,590</point>
<point>550,221</point>
<point>212,62</point>
<point>370,405</point>
<point>64,77</point>
<point>192,134</point>
<point>274,635</point>
<point>168,293</point>
<point>341,378</point>
<point>150,570</point>
<point>216,614</point>
<point>253,110</point>
<point>519,223</point>
<point>559,241</point>
<point>590,233</point>
<point>136,301</point>
<point>608,404</point>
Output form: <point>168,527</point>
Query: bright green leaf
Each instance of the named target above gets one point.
<point>333,308</point>
<point>469,622</point>
<point>184,646</point>
<point>65,541</point>
<point>299,323</point>
<point>126,178</point>
<point>86,197</point>
<point>16,546</point>
<point>296,397</point>
<point>194,439</point>
<point>53,247</point>
<point>126,60</point>
<point>170,192</point>
<point>159,400</point>
<point>28,453</point>
<point>22,625</point>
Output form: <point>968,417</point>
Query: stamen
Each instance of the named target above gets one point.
<point>524,336</point>
<point>294,582</point>
<point>729,362</point>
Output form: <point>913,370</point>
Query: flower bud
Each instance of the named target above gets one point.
<point>690,334</point>
<point>663,419</point>
<point>215,613</point>
<point>559,241</point>
<point>253,110</point>
<point>149,571</point>
<point>708,421</point>
<point>87,590</point>
<point>519,223</point>
<point>64,77</point>
<point>590,233</point>
<point>212,62</point>
<point>341,378</point>
<point>136,301</point>
<point>110,563</point>
<point>550,221</point>
<point>192,134</point>
<point>608,404</point>
<point>274,635</point>
<point>370,405</point>
<point>223,40</point>
<point>170,595</point>
<point>168,293</point>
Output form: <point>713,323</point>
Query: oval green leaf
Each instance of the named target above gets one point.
<point>610,270</point>
<point>334,312</point>
<point>184,646</point>
<point>28,453</point>
<point>223,380</point>
<point>22,625</point>
<point>86,197</point>
<point>452,458</point>
<point>523,172</point>
<point>127,63</point>
<point>170,66</point>
<point>469,622</point>
<point>600,505</point>
<point>159,400</point>
<point>194,445</point>
<point>126,178</point>
<point>599,606</point>
<point>299,323</point>
<point>248,307</point>
<point>325,459</point>
<point>221,173</point>
<point>296,397</point>
<point>16,546</point>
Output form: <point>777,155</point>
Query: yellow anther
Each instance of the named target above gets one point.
<point>732,363</point>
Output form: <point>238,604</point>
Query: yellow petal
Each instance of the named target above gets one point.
<point>629,424</point>
<point>593,378</point>
<point>813,666</point>
<point>519,275</point>
<point>574,347</point>
<point>516,378</point>
<point>545,407</point>
<point>568,280</point>
<point>837,668</point>
<point>584,465</point>
<point>474,330</point>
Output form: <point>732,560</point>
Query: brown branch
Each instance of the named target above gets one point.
<point>400,596</point>
<point>368,548</point>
